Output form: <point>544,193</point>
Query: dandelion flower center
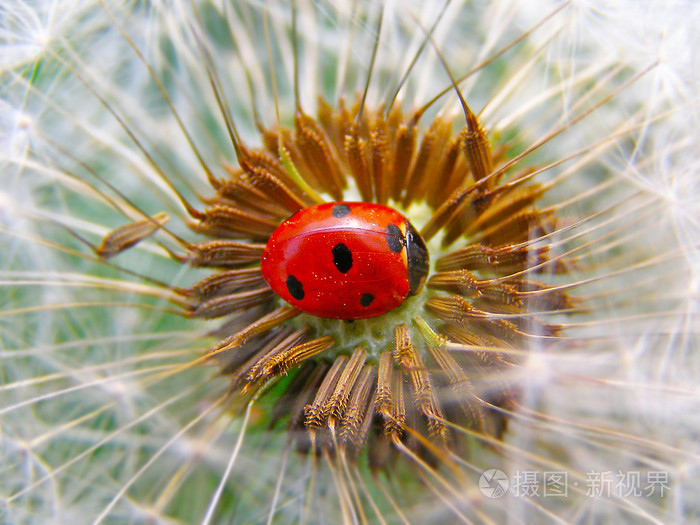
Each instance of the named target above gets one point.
<point>373,379</point>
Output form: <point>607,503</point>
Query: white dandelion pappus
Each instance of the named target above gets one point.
<point>109,411</point>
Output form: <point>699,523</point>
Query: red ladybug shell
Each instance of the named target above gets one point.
<point>345,260</point>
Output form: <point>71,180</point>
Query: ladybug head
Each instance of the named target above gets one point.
<point>418,259</point>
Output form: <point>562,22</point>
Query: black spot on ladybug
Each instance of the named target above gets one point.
<point>340,210</point>
<point>342,257</point>
<point>366,299</point>
<point>296,289</point>
<point>395,239</point>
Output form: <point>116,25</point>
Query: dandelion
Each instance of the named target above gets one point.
<point>545,368</point>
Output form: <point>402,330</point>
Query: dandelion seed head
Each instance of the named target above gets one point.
<point>121,391</point>
<point>538,371</point>
<point>24,33</point>
<point>30,29</point>
<point>15,133</point>
<point>192,449</point>
<point>7,210</point>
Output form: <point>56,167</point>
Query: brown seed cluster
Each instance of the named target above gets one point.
<point>448,367</point>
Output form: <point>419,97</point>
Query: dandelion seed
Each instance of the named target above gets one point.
<point>127,236</point>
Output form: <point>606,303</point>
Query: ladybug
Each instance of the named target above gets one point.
<point>345,260</point>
